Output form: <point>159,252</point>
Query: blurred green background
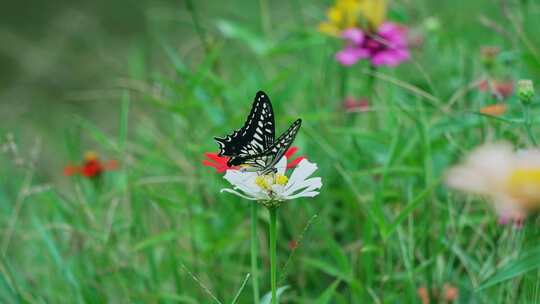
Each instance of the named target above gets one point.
<point>66,59</point>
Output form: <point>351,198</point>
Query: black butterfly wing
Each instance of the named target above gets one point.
<point>267,160</point>
<point>255,136</point>
<point>281,145</point>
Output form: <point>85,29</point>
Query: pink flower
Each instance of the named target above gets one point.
<point>220,162</point>
<point>386,47</point>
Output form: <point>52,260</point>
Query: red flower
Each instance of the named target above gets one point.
<point>292,163</point>
<point>92,166</point>
<point>499,89</point>
<point>220,162</point>
<point>356,105</point>
<point>293,245</point>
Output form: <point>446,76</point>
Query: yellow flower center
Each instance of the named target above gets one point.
<point>524,184</point>
<point>263,182</point>
<point>266,182</point>
<point>524,176</point>
<point>281,179</point>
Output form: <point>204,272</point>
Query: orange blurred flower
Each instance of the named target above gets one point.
<point>494,110</point>
<point>92,167</point>
<point>450,294</point>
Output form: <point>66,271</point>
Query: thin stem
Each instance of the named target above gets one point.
<point>343,75</point>
<point>197,24</point>
<point>527,123</point>
<point>254,246</point>
<point>273,250</point>
<point>265,17</point>
<point>371,81</point>
<point>370,88</point>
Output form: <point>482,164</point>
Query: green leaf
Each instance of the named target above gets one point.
<point>328,269</point>
<point>176,298</point>
<point>268,296</point>
<point>155,239</point>
<point>326,296</point>
<point>411,206</point>
<point>528,261</point>
<point>251,39</point>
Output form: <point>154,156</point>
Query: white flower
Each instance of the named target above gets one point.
<point>275,187</point>
<point>509,180</point>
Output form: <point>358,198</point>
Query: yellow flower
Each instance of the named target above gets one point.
<point>343,15</point>
<point>346,14</point>
<point>510,180</point>
<point>374,12</point>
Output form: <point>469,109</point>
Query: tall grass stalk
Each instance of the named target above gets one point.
<point>254,252</point>
<point>527,123</point>
<point>273,252</point>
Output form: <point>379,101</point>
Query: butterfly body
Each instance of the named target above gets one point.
<point>254,147</point>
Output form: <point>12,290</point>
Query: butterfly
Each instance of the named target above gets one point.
<point>254,147</point>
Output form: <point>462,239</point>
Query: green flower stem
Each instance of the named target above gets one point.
<point>527,123</point>
<point>273,250</point>
<point>370,86</point>
<point>343,75</point>
<point>254,245</point>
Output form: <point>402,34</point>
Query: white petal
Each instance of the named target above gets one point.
<point>507,207</point>
<point>303,194</point>
<point>485,169</point>
<point>300,173</point>
<point>244,181</point>
<point>281,166</point>
<point>239,194</point>
<point>278,189</point>
<point>307,185</point>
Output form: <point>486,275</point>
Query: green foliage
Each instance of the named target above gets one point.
<point>157,229</point>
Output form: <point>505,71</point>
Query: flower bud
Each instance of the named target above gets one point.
<point>432,24</point>
<point>489,55</point>
<point>525,90</point>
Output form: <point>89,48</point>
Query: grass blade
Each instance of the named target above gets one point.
<point>528,261</point>
<point>237,296</point>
